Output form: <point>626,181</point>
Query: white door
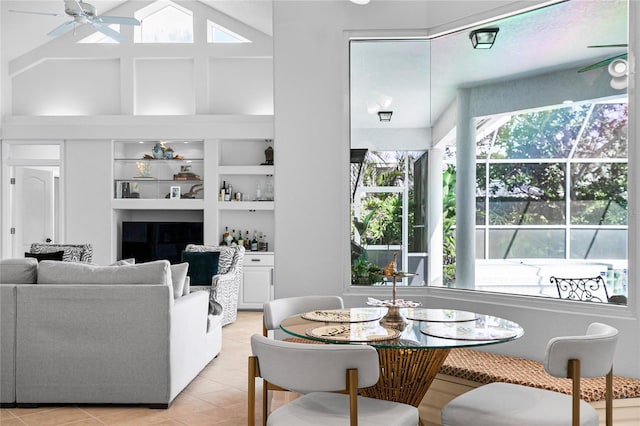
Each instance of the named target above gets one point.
<point>32,208</point>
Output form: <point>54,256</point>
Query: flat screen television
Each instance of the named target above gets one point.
<point>146,241</point>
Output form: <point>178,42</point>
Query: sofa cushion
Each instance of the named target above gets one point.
<point>18,271</point>
<point>178,277</point>
<point>202,266</point>
<point>54,255</point>
<point>156,272</point>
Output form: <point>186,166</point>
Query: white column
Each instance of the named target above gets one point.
<point>465,194</point>
<point>435,216</point>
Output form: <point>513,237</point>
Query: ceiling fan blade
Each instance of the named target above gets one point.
<point>610,45</point>
<point>109,32</point>
<point>122,20</point>
<point>61,29</point>
<point>603,63</point>
<point>34,13</point>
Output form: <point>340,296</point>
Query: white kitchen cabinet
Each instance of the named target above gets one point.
<point>257,282</point>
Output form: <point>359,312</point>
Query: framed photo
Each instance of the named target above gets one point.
<point>175,193</point>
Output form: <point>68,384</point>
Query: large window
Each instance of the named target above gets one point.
<point>551,198</point>
<point>388,215</point>
<point>164,22</point>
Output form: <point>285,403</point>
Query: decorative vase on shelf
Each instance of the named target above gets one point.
<point>158,153</point>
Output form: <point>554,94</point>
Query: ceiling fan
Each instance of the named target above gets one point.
<point>617,67</point>
<point>607,61</point>
<point>84,13</point>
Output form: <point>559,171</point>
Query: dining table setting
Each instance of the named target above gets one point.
<point>412,341</point>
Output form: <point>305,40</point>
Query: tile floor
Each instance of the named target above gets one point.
<point>218,396</point>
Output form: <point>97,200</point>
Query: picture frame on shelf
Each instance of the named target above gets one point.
<point>174,193</point>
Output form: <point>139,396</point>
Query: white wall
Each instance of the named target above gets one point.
<point>87,190</point>
<point>311,130</point>
<point>68,87</point>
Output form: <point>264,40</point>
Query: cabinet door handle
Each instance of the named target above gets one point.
<point>256,260</point>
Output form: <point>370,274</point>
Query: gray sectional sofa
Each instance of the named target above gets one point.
<point>81,333</point>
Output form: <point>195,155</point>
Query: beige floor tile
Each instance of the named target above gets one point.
<point>6,414</point>
<point>86,422</point>
<point>55,417</point>
<point>11,421</point>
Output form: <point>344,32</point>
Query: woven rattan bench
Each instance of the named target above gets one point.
<point>465,369</point>
<point>484,367</point>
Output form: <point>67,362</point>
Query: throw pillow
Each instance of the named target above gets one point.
<point>72,252</point>
<point>54,255</point>
<point>178,277</point>
<point>202,266</point>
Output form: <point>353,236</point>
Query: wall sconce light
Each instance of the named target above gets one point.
<point>618,69</point>
<point>385,115</point>
<point>483,38</point>
<point>359,2</point>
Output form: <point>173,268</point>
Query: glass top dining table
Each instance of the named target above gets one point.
<point>412,343</point>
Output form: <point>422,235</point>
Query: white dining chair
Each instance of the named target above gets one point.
<point>276,311</point>
<point>507,404</point>
<point>329,377</point>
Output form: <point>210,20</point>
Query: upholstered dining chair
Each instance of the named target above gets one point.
<point>275,311</point>
<point>507,404</point>
<point>329,377</point>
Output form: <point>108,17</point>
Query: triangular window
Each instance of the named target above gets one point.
<point>99,38</point>
<point>219,34</point>
<point>164,22</point>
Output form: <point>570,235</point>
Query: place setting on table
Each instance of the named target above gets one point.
<point>386,320</point>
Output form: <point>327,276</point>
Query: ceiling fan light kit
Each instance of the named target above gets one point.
<point>483,38</point>
<point>618,70</point>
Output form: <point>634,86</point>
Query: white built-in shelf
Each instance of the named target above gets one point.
<point>157,204</point>
<point>245,170</point>
<point>246,205</point>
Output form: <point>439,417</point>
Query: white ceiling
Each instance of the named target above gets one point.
<point>422,77</point>
<point>32,29</point>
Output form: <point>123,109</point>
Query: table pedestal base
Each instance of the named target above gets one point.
<point>406,374</point>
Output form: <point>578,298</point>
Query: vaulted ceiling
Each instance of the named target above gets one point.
<point>24,32</point>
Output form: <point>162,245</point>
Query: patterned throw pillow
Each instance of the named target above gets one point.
<point>72,252</point>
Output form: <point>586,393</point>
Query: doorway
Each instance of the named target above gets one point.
<point>31,195</point>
